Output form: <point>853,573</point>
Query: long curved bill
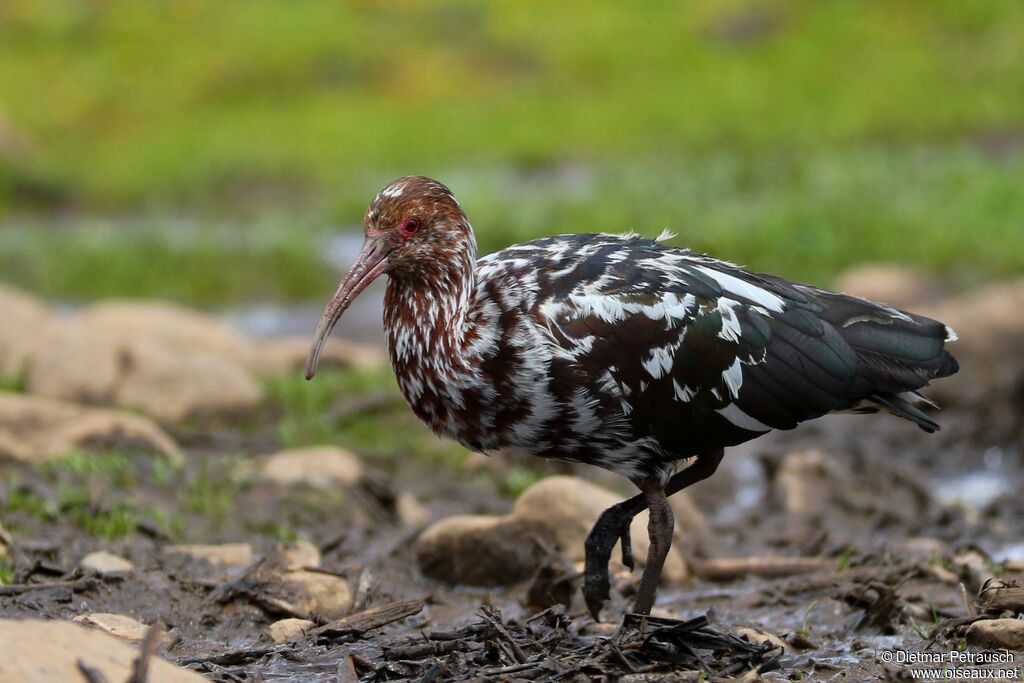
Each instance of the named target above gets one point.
<point>370,264</point>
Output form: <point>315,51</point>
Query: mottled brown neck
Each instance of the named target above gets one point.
<point>426,304</point>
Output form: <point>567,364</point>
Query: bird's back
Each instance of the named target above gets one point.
<point>661,354</point>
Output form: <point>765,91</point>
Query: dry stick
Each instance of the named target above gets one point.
<point>432,673</point>
<point>347,670</point>
<point>998,596</point>
<point>517,652</point>
<point>140,667</point>
<point>729,568</point>
<point>967,603</point>
<point>370,619</point>
<point>19,588</point>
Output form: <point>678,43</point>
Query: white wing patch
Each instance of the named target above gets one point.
<point>733,378</point>
<point>733,414</point>
<point>734,285</point>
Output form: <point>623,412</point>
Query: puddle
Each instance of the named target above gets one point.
<point>976,489</point>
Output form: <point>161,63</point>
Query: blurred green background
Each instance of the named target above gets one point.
<point>204,149</point>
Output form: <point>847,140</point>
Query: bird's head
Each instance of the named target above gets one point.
<point>410,227</point>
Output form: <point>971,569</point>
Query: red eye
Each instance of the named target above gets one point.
<point>410,225</point>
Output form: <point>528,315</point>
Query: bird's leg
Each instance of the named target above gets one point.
<point>659,527</point>
<point>613,525</point>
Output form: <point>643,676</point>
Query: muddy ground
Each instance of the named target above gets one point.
<point>909,525</point>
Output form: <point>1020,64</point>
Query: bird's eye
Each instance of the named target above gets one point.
<point>410,225</point>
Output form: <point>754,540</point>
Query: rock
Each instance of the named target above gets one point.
<point>117,625</point>
<point>920,547</point>
<point>973,568</point>
<point>299,554</point>
<point>27,322</point>
<point>289,629</point>
<point>316,466</point>
<point>804,482</point>
<point>570,506</point>
<point>891,284</point>
<point>316,593</point>
<point>995,634</point>
<point>987,320</point>
<point>39,651</point>
<point>271,357</point>
<point>105,564</point>
<point>991,339</point>
<point>754,635</point>
<point>483,550</point>
<point>34,429</point>
<point>171,323</point>
<point>411,512</point>
<point>93,360</point>
<point>556,513</point>
<point>221,555</point>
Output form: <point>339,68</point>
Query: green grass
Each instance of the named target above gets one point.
<point>6,571</point>
<point>15,383</point>
<point>793,137</point>
<point>953,210</point>
<point>238,101</point>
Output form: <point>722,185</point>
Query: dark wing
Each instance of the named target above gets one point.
<point>703,354</point>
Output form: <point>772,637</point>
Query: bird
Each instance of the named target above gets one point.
<point>626,353</point>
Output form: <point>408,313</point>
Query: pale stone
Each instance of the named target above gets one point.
<point>289,629</point>
<point>411,512</point>
<point>990,328</point>
<point>173,323</point>
<point>105,563</point>
<point>27,322</point>
<point>922,547</point>
<point>299,554</point>
<point>555,513</point>
<point>804,483</point>
<point>317,593</point>
<point>222,554</point>
<point>280,356</point>
<point>34,429</point>
<point>997,634</point>
<point>483,550</point>
<point>757,636</point>
<point>570,506</point>
<point>117,625</point>
<point>316,466</point>
<point>41,651</point>
<point>891,284</point>
<point>168,361</point>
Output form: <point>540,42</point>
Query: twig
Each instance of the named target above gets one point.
<point>432,673</point>
<point>347,670</point>
<point>75,585</point>
<point>967,603</point>
<point>140,667</point>
<point>370,619</point>
<point>729,568</point>
<point>90,674</point>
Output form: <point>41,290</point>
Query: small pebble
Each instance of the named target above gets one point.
<point>105,563</point>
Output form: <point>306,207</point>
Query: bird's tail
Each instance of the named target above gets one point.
<point>899,354</point>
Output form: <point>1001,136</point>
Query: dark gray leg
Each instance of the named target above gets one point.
<point>659,529</point>
<point>613,525</point>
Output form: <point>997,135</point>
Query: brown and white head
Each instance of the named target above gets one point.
<point>416,233</point>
